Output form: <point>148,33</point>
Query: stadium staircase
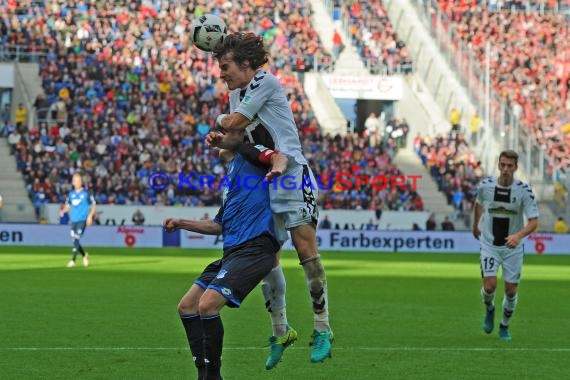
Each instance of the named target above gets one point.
<point>31,80</point>
<point>328,113</point>
<point>349,62</point>
<point>434,201</point>
<point>434,81</point>
<point>18,207</point>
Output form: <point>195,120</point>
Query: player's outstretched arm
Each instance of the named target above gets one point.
<point>229,140</point>
<point>205,227</point>
<point>263,156</point>
<point>232,122</point>
<point>278,166</point>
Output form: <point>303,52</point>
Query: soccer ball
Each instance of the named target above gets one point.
<point>207,31</point>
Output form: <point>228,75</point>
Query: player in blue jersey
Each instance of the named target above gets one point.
<point>250,245</point>
<point>81,207</point>
<point>259,106</point>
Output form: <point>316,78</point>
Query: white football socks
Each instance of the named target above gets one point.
<point>273,287</point>
<point>509,306</point>
<point>317,285</point>
<point>488,299</point>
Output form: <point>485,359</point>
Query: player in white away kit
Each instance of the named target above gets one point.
<point>501,204</point>
<point>259,106</point>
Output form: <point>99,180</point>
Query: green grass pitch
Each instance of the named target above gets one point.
<point>395,316</point>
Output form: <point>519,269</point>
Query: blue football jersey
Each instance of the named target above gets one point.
<point>245,212</point>
<point>80,202</point>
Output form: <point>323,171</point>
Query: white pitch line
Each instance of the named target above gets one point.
<point>419,349</point>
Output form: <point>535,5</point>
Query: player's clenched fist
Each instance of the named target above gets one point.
<point>170,225</point>
<point>213,139</point>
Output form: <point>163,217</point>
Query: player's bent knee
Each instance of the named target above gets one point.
<point>490,282</point>
<point>211,303</point>
<point>206,308</point>
<point>185,307</point>
<point>489,287</point>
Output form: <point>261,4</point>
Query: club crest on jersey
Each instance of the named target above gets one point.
<point>246,99</point>
<point>222,273</point>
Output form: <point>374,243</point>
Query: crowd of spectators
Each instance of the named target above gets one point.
<point>375,38</point>
<point>530,63</point>
<point>454,166</point>
<point>510,5</point>
<point>126,95</point>
<point>354,154</point>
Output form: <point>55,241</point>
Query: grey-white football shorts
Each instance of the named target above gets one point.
<point>294,196</point>
<point>510,259</point>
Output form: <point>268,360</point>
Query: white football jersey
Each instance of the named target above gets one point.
<point>263,101</point>
<point>504,209</point>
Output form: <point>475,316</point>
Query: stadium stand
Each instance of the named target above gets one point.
<point>126,95</point>
<point>453,165</point>
<point>374,36</point>
<point>353,154</point>
<point>532,77</point>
